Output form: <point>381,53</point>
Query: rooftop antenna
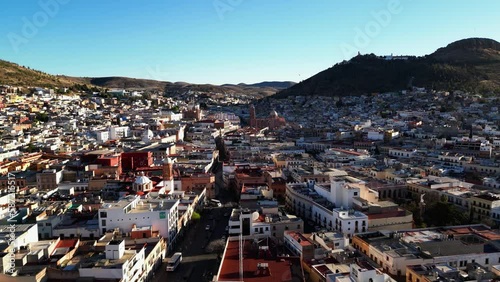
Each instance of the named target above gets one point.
<point>241,256</point>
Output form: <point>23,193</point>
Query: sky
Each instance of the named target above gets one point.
<point>229,41</point>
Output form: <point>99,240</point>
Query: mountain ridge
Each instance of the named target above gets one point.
<point>16,75</point>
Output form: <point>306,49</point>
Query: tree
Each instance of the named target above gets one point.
<point>30,148</point>
<point>216,246</point>
<point>42,117</point>
<point>195,216</point>
<point>444,214</point>
<point>175,109</point>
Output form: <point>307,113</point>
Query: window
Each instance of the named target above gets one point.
<point>103,222</point>
<point>104,214</point>
<point>486,261</point>
<point>355,193</point>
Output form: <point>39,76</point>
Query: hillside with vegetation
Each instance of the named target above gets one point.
<point>16,75</point>
<point>470,64</point>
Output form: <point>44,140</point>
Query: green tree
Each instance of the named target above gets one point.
<point>444,214</point>
<point>175,109</point>
<point>42,117</point>
<point>195,216</point>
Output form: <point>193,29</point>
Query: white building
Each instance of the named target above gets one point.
<point>160,215</point>
<point>266,222</point>
<point>8,154</point>
<point>361,271</point>
<point>396,250</point>
<point>102,136</point>
<point>118,132</point>
<point>375,135</point>
<point>171,116</point>
<point>47,221</point>
<point>327,205</point>
<point>305,247</point>
<point>119,262</point>
<point>20,235</point>
<point>401,153</point>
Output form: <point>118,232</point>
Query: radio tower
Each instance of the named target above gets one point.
<point>241,256</point>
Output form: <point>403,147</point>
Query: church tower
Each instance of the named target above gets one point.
<point>253,122</point>
<point>168,174</point>
<point>168,166</point>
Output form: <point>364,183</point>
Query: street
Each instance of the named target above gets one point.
<point>197,264</point>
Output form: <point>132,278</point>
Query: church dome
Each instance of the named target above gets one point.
<point>142,180</point>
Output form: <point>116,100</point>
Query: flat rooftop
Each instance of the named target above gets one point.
<point>144,206</point>
<point>264,269</point>
<point>436,242</point>
<point>302,189</point>
<point>301,239</point>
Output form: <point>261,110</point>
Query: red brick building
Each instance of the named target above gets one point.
<point>133,160</point>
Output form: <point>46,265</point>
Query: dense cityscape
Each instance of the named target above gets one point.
<point>111,187</point>
<point>249,141</point>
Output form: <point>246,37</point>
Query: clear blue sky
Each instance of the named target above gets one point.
<point>229,41</point>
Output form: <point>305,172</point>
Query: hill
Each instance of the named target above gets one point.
<point>266,84</point>
<point>470,64</point>
<point>16,75</point>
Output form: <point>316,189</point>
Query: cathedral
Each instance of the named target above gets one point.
<point>272,121</point>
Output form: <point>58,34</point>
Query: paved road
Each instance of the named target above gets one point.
<point>198,265</point>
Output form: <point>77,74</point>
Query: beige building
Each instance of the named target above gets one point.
<point>48,179</point>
